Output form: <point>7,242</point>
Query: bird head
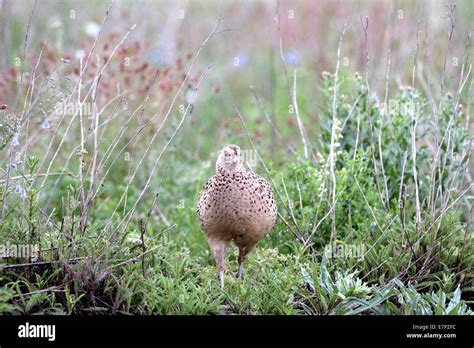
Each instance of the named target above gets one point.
<point>229,160</point>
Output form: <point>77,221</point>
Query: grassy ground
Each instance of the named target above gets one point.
<point>371,175</point>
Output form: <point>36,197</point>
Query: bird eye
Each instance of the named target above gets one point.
<point>226,154</point>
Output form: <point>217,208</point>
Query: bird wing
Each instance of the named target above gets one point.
<point>202,196</point>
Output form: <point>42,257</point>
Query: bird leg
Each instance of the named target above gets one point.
<point>219,249</point>
<point>242,254</point>
<point>244,250</point>
<point>241,271</point>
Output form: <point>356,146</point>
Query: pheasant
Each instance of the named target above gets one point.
<point>235,205</point>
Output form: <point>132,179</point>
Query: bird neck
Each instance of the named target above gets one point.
<point>230,169</point>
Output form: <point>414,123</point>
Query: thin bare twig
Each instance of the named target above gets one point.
<point>332,159</point>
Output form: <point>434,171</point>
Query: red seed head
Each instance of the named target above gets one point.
<point>179,63</point>
<point>12,71</point>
